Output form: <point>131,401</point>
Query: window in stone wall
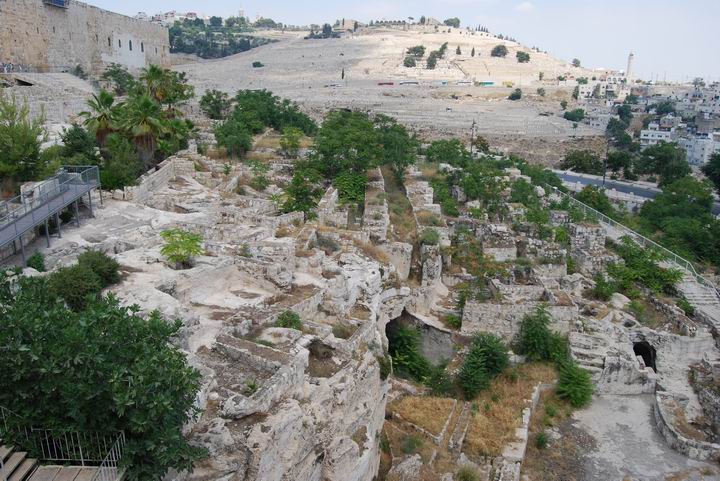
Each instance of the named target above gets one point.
<point>130,45</point>
<point>142,47</point>
<point>109,42</point>
<point>119,43</point>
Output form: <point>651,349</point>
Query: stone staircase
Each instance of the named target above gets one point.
<point>589,352</point>
<point>17,466</point>
<point>703,298</point>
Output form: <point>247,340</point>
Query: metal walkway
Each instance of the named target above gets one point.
<point>45,201</point>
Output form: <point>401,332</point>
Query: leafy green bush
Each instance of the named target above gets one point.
<point>687,308</point>
<point>408,361</point>
<point>574,115</point>
<point>473,376</point>
<point>439,381</point>
<point>37,261</point>
<point>101,264</point>
<point>575,384</point>
<point>180,246</point>
<point>215,104</point>
<point>429,237</point>
<point>100,369</point>
<point>541,440</point>
<point>603,289</point>
<point>75,285</point>
<point>289,320</point>
<point>409,62</point>
<point>493,350</point>
<point>534,336</point>
<point>642,267</point>
<point>411,443</point>
<point>454,321</point>
<point>233,134</point>
<point>515,95</point>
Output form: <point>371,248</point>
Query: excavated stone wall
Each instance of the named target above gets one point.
<point>37,36</point>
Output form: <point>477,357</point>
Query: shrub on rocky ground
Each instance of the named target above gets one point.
<point>290,320</point>
<point>37,262</point>
<point>101,264</point>
<point>75,285</point>
<point>575,384</point>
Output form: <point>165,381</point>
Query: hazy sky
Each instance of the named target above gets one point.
<point>675,38</point>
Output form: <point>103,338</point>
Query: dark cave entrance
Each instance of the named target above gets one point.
<point>647,352</point>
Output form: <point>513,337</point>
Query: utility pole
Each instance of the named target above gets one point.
<point>473,127</point>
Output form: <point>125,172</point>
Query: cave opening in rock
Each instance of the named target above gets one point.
<point>431,342</point>
<point>647,352</point>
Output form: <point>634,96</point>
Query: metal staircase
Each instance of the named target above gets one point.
<point>57,455</point>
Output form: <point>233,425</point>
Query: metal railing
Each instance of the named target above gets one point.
<point>103,450</point>
<point>110,469</point>
<point>640,240</point>
<point>27,204</point>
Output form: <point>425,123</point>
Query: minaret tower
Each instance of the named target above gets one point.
<point>629,70</point>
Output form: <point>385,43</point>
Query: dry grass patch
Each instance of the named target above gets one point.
<point>270,141</point>
<point>428,218</point>
<point>263,157</point>
<point>497,412</point>
<point>430,413</point>
<point>372,251</point>
<point>428,170</point>
<point>401,212</point>
<point>681,423</point>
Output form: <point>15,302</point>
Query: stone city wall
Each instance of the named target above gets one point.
<point>35,36</point>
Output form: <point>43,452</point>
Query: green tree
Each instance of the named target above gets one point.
<point>121,166</point>
<point>290,141</point>
<point>576,62</point>
<point>79,146</point>
<point>458,51</point>
<point>666,160</point>
<point>563,104</point>
<point>574,115</point>
<point>416,51</point>
<point>582,161</point>
<point>216,22</point>
<point>122,81</point>
<point>665,107</point>
<point>399,148</point>
<point>575,384</point>
<point>472,52</point>
<point>181,246</point>
<point>409,62</point>
<point>452,22</point>
<point>625,113</point>
<point>142,119</point>
<point>515,95</point>
<point>215,104</point>
<point>534,336</point>
<point>499,51</point>
<point>451,152</point>
<point>473,376</point>
<point>120,372</point>
<point>101,117</point>
<point>712,170</point>
<point>347,141</point>
<point>20,138</point>
<point>522,57</point>
<point>431,62</point>
<point>303,192</point>
<point>234,136</point>
<point>596,198</point>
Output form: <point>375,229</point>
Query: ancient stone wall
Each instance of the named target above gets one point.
<point>37,36</point>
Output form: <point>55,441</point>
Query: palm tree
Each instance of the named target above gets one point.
<point>144,122</point>
<point>102,116</point>
<point>155,79</point>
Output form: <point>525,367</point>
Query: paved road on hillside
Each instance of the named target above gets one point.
<point>641,190</point>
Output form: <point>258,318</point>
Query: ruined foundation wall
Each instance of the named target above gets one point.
<point>41,37</point>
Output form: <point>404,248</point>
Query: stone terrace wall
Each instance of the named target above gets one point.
<point>42,37</point>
